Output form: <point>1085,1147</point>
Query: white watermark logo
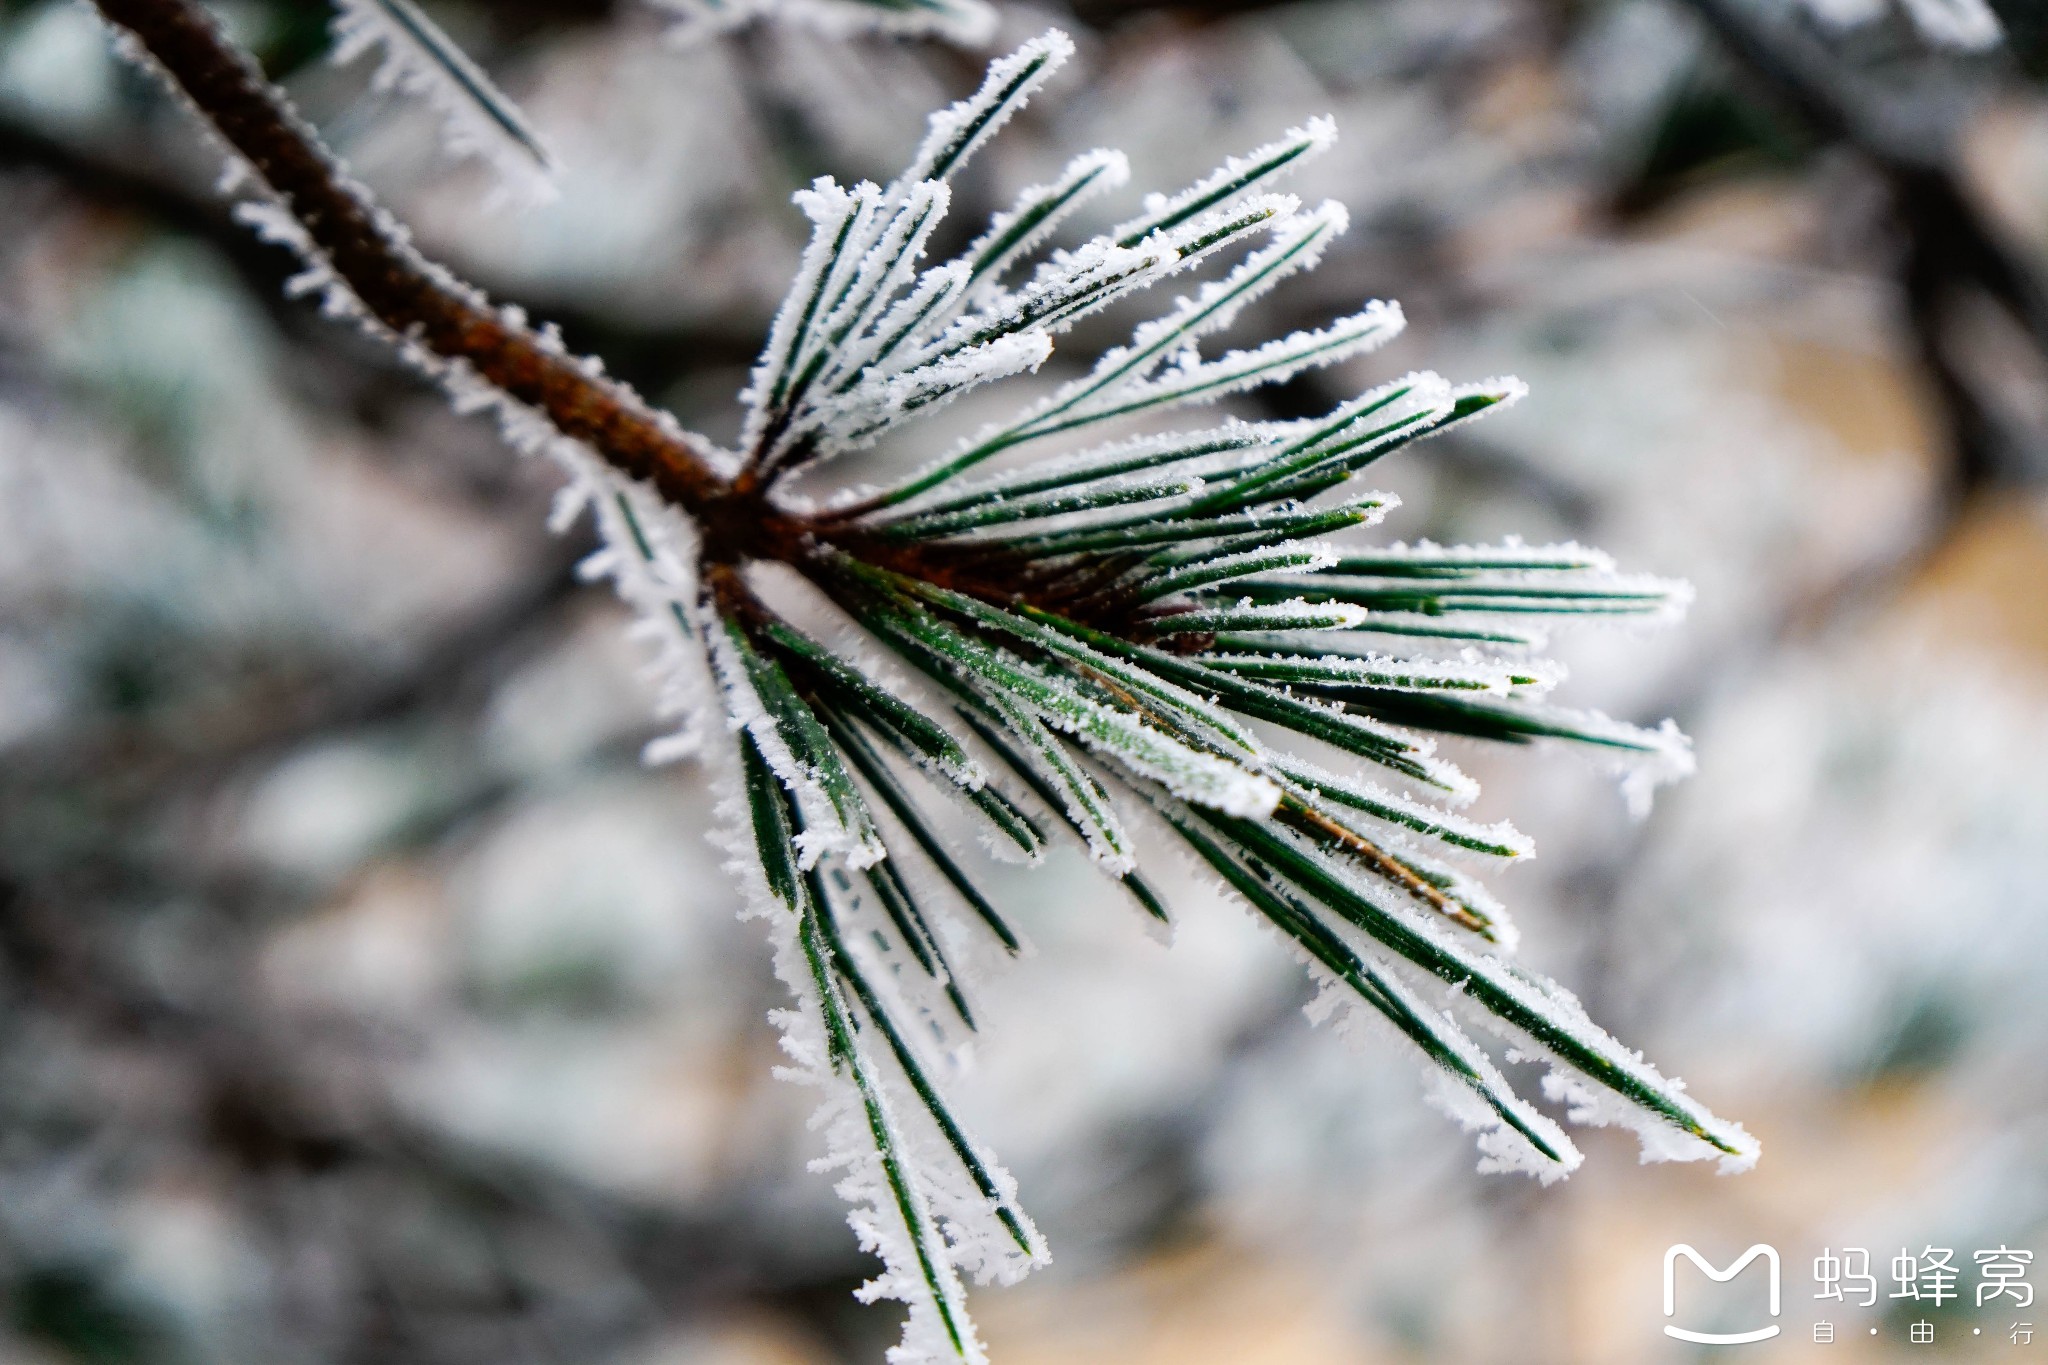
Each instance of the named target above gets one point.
<point>1770,1257</point>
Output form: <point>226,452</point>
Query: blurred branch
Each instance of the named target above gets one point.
<point>368,252</point>
<point>1949,246</point>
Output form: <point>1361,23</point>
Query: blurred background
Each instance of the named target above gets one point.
<point>363,999</point>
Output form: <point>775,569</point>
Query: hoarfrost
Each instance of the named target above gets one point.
<point>478,120</point>
<point>1660,1140</point>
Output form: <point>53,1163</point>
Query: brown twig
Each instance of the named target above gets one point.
<point>1321,827</point>
<point>368,253</point>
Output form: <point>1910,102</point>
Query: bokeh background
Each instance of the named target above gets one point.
<point>362,999</point>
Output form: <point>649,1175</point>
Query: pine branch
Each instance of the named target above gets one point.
<point>1107,624</point>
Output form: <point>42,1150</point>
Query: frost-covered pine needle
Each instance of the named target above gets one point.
<point>478,119</point>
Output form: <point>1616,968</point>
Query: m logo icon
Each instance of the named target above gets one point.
<point>1770,1255</point>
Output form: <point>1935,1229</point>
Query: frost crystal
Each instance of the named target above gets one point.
<point>477,119</point>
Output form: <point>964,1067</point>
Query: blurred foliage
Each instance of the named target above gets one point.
<point>1710,129</point>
